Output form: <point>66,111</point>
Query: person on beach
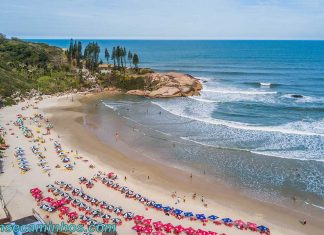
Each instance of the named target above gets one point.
<point>148,177</point>
<point>125,178</point>
<point>116,136</point>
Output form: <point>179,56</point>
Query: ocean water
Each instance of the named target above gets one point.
<point>246,123</point>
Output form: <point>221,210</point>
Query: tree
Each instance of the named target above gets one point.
<point>113,56</point>
<point>91,55</point>
<point>135,60</point>
<point>130,58</point>
<point>107,55</point>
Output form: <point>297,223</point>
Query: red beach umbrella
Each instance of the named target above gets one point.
<point>48,199</point>
<point>212,233</point>
<point>239,223</point>
<point>158,233</point>
<point>35,190</point>
<point>146,222</point>
<point>157,225</point>
<point>201,232</point>
<point>168,227</point>
<point>138,218</point>
<point>252,226</point>
<point>190,231</point>
<point>178,229</point>
<point>72,215</point>
<point>64,209</point>
<point>147,230</point>
<point>138,228</point>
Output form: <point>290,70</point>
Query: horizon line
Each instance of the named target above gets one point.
<point>170,39</point>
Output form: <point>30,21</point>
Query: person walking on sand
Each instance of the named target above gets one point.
<point>116,136</point>
<point>125,178</point>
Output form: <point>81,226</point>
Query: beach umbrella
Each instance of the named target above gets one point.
<point>147,222</point>
<point>65,159</point>
<point>84,217</point>
<point>116,185</point>
<point>112,175</point>
<point>168,227</point>
<point>130,193</point>
<point>251,226</point>
<point>158,233</point>
<point>105,216</point>
<point>239,223</point>
<point>123,189</point>
<point>150,203</point>
<point>103,203</point>
<point>211,233</point>
<point>201,232</point>
<point>158,206</point>
<point>138,218</point>
<point>109,207</point>
<point>88,208</point>
<point>167,209</point>
<point>188,214</point>
<point>118,210</point>
<point>35,190</point>
<point>72,215</point>
<point>48,199</point>
<point>138,228</point>
<point>128,215</point>
<point>200,216</point>
<point>96,213</point>
<point>64,209</point>
<point>178,229</point>
<point>143,199</point>
<point>190,231</point>
<point>177,212</point>
<point>116,220</point>
<point>138,196</point>
<point>68,166</point>
<point>157,225</point>
<point>212,217</point>
<point>227,220</point>
<point>147,230</point>
<point>262,229</point>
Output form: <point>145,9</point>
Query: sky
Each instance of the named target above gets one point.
<point>163,19</point>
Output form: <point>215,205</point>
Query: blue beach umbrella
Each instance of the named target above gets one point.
<point>167,209</point>
<point>177,212</point>
<point>188,214</point>
<point>213,217</point>
<point>200,216</point>
<point>158,206</point>
<point>262,228</point>
<point>227,220</point>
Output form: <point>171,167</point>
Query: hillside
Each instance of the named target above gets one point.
<point>23,63</point>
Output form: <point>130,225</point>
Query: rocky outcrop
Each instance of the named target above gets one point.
<point>165,85</point>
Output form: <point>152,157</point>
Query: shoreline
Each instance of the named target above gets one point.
<point>163,180</point>
<point>174,177</point>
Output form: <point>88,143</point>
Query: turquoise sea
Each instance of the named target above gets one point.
<point>259,121</point>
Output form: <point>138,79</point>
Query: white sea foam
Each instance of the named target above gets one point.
<point>237,91</point>
<point>286,129</point>
<point>267,84</point>
<point>202,100</point>
<point>109,106</point>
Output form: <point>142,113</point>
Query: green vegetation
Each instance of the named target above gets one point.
<point>26,66</point>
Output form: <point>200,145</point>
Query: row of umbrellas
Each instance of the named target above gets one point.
<point>179,213</point>
<point>21,159</point>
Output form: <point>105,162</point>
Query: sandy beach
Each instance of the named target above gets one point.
<point>147,177</point>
